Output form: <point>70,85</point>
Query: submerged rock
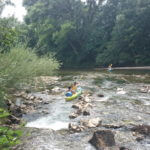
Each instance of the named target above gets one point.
<point>103,139</point>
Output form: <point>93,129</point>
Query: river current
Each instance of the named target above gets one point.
<point>125,102</point>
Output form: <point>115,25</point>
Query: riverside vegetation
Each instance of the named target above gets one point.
<point>19,66</point>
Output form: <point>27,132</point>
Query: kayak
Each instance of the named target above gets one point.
<point>74,96</point>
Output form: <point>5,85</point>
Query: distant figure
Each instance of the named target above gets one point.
<point>69,92</point>
<point>110,67</point>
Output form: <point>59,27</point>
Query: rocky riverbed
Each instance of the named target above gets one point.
<point>112,113</point>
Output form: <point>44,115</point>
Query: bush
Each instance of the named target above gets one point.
<point>21,64</point>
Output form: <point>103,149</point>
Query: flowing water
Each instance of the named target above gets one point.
<point>123,105</point>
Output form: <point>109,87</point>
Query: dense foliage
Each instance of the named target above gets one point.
<point>8,137</point>
<point>91,32</point>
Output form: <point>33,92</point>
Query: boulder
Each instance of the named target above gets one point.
<point>103,139</point>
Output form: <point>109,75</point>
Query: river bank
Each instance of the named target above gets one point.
<point>126,68</point>
<point>120,101</point>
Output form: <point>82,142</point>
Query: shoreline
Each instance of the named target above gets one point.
<point>126,68</point>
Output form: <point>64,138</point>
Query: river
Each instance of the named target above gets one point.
<point>125,103</point>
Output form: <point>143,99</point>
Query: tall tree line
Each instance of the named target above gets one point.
<point>91,32</point>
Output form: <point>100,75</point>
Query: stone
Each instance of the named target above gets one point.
<point>56,89</point>
<point>142,129</point>
<point>45,112</point>
<point>14,120</point>
<point>123,148</point>
<point>139,139</point>
<point>103,139</point>
<point>100,95</point>
<point>23,106</point>
<point>45,103</point>
<point>87,99</point>
<point>73,116</point>
<point>75,128</point>
<point>32,97</point>
<point>77,105</point>
<point>86,113</point>
<point>92,123</point>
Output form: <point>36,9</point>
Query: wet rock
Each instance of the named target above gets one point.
<point>86,99</point>
<point>92,123</point>
<point>15,110</point>
<point>75,128</point>
<point>8,102</point>
<point>145,89</point>
<point>113,126</point>
<point>103,139</point>
<point>14,120</point>
<point>78,105</point>
<point>56,89</point>
<point>100,95</point>
<point>21,94</point>
<point>139,139</point>
<point>123,148</point>
<point>86,112</point>
<point>79,112</point>
<point>73,115</point>
<point>32,97</point>
<point>23,106</point>
<point>87,105</point>
<point>45,103</point>
<point>121,91</point>
<point>142,129</point>
<point>45,112</point>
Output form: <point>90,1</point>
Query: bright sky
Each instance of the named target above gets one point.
<point>18,10</point>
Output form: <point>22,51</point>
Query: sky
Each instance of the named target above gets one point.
<point>18,10</point>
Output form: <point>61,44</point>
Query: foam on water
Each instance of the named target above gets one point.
<point>44,123</point>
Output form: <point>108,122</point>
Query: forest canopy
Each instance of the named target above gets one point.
<point>83,33</point>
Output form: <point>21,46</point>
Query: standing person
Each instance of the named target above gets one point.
<point>110,67</point>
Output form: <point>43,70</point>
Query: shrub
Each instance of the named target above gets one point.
<point>20,64</point>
